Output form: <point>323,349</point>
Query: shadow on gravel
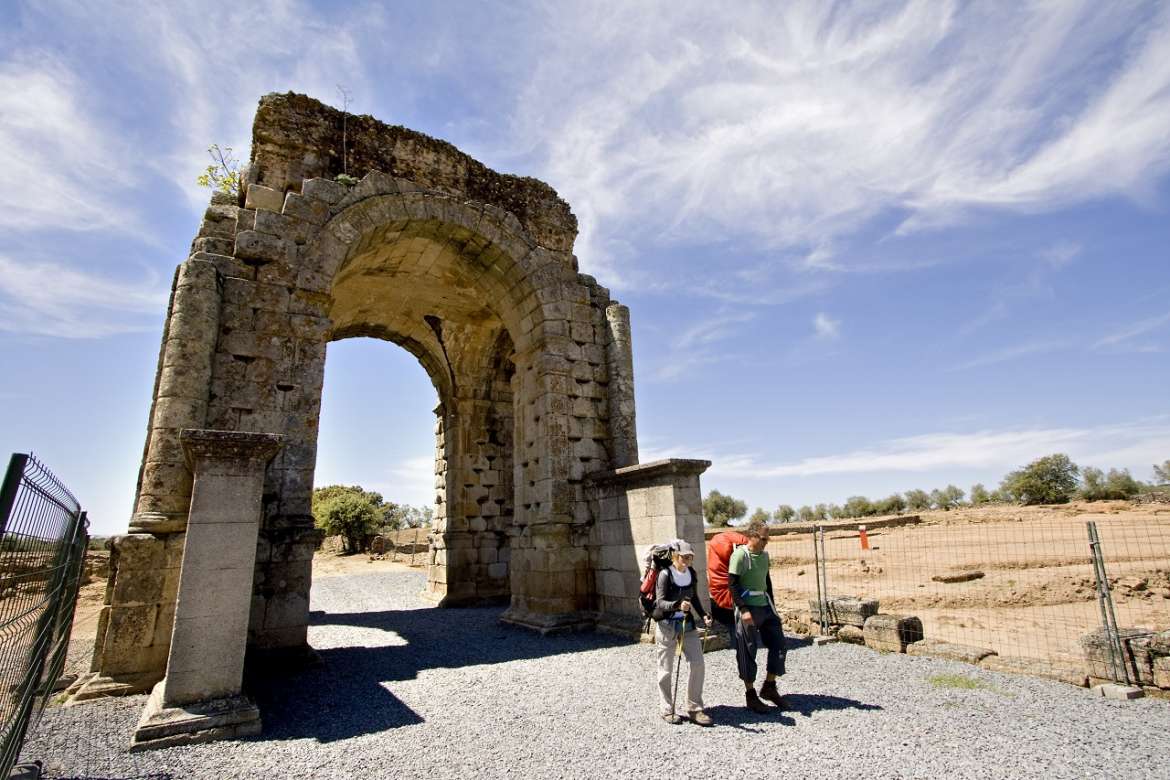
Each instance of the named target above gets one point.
<point>798,703</point>
<point>808,703</point>
<point>343,697</point>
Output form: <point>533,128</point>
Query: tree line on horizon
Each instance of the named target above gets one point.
<point>1052,479</point>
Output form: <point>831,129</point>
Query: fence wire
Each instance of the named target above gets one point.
<point>43,540</point>
<point>1014,582</point>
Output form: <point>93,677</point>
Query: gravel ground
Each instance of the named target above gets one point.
<point>410,691</point>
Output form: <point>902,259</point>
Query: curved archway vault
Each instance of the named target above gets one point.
<point>540,500</point>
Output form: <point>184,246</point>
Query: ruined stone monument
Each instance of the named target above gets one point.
<point>540,502</point>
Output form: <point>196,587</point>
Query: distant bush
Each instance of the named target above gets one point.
<point>720,510</point>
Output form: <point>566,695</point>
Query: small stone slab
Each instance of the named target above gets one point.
<point>1120,692</point>
<point>824,640</point>
<point>964,576</point>
<point>844,610</point>
<point>935,648</point>
<point>851,634</point>
<point>1073,674</point>
<point>892,633</point>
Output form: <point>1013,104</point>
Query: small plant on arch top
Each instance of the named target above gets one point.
<point>224,172</point>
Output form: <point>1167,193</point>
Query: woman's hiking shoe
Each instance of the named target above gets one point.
<point>754,704</point>
<point>672,718</point>
<point>768,691</point>
<point>700,718</point>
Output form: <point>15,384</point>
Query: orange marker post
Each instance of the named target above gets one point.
<point>864,537</point>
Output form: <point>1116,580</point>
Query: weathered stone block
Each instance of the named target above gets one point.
<point>261,197</point>
<point>138,552</point>
<point>892,633</point>
<point>845,610</point>
<point>1136,655</point>
<point>936,648</point>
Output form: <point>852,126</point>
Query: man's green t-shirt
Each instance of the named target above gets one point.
<point>752,569</point>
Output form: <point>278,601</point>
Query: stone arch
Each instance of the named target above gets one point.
<point>543,503</point>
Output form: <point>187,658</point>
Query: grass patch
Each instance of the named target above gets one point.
<point>957,681</point>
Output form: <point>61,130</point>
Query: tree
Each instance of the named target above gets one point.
<point>224,172</point>
<point>1092,484</point>
<point>835,511</point>
<point>348,512</point>
<point>1121,484</point>
<point>805,514</point>
<point>946,499</point>
<point>1162,473</point>
<point>784,514</point>
<point>1048,480</point>
<point>979,494</point>
<point>890,505</point>
<point>917,500</point>
<point>720,510</point>
<point>761,515</point>
<point>1116,485</point>
<point>821,512</point>
<point>857,506</point>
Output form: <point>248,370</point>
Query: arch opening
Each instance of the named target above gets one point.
<point>421,285</point>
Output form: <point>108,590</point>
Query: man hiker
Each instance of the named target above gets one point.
<point>756,618</point>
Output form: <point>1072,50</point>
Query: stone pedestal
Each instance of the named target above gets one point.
<point>637,507</point>
<point>200,697</point>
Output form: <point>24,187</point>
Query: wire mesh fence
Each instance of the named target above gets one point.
<point>43,538</point>
<point>1020,584</point>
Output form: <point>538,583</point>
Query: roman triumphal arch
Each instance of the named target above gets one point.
<point>540,501</point>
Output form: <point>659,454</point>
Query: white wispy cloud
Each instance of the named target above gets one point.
<point>49,299</point>
<point>1134,443</point>
<point>64,169</point>
<point>1060,254</point>
<point>826,327</point>
<point>1118,339</point>
<point>1014,352</point>
<point>694,347</point>
<point>795,125</point>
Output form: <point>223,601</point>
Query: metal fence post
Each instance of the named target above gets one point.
<point>818,538</point>
<point>1117,665</point>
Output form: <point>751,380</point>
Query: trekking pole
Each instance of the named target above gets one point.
<point>677,666</point>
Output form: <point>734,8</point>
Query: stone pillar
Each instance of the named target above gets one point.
<point>620,358</point>
<point>180,399</point>
<point>201,698</point>
<point>637,507</point>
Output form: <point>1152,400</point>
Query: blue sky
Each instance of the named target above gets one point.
<point>867,247</point>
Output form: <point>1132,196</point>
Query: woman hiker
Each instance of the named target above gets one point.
<point>675,608</point>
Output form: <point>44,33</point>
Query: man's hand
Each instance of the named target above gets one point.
<point>745,617</point>
<point>685,606</point>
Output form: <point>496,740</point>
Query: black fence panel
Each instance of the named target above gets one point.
<point>43,539</point>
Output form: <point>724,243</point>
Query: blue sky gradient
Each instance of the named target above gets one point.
<point>867,247</point>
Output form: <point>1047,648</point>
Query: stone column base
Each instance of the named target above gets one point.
<point>98,686</point>
<point>202,721</point>
<point>561,623</point>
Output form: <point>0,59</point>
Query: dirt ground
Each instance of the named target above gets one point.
<point>1036,596</point>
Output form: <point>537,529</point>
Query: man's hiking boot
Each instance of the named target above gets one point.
<point>700,718</point>
<point>768,691</point>
<point>672,718</point>
<point>754,704</point>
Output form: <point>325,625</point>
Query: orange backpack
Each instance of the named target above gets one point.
<point>719,549</point>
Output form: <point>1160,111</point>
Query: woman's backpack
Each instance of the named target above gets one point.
<point>657,559</point>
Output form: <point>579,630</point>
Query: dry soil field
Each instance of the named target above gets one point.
<point>1036,597</point>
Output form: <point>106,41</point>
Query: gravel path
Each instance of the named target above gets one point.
<point>408,691</point>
